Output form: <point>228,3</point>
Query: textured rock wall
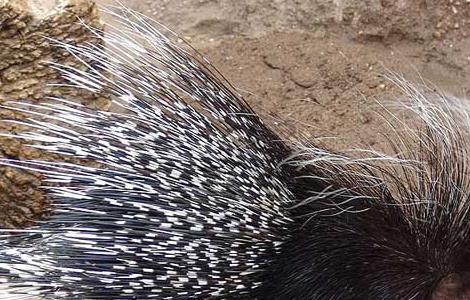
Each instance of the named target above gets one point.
<point>24,76</point>
<point>23,48</point>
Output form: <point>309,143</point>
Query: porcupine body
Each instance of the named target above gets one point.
<point>195,198</point>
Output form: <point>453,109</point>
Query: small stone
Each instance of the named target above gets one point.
<point>303,78</point>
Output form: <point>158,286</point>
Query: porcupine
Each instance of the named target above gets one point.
<point>196,198</point>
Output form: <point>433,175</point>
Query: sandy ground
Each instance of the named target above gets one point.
<point>315,66</point>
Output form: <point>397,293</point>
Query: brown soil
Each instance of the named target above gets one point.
<point>314,66</point>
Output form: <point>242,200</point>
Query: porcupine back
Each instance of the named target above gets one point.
<point>409,237</point>
<point>188,200</point>
<point>196,198</point>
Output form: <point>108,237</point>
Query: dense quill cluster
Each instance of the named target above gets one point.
<point>195,198</point>
<point>188,201</point>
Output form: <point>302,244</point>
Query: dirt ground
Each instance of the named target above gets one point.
<point>315,65</point>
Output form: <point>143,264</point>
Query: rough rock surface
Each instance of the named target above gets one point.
<point>24,76</point>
